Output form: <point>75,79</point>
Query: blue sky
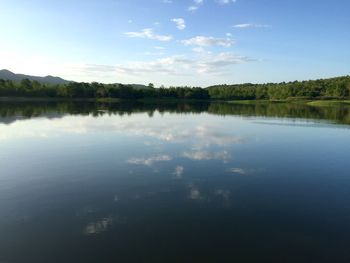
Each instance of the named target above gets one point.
<point>176,42</point>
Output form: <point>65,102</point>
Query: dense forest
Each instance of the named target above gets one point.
<point>334,88</point>
<point>337,88</point>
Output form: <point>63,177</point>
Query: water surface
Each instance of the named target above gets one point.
<point>86,182</point>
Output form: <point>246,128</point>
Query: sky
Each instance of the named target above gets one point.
<point>176,42</point>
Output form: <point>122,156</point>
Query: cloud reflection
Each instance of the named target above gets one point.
<point>99,226</point>
<point>206,155</point>
<point>238,171</point>
<point>150,160</point>
<point>163,127</point>
<point>195,194</point>
<point>179,170</point>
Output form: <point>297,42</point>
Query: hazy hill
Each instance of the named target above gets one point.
<point>8,75</point>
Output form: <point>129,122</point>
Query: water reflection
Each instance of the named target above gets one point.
<point>98,226</point>
<point>156,183</point>
<point>13,111</point>
<point>150,160</point>
<point>179,170</point>
<point>205,155</point>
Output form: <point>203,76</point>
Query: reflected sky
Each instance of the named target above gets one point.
<point>168,187</point>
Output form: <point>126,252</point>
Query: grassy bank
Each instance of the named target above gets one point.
<point>315,103</point>
<point>327,103</point>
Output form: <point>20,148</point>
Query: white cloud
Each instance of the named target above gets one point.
<point>195,6</point>
<point>169,66</point>
<point>150,160</point>
<point>149,53</point>
<point>180,23</point>
<point>199,49</point>
<point>225,2</point>
<point>208,41</point>
<point>247,25</point>
<point>192,8</point>
<point>148,33</point>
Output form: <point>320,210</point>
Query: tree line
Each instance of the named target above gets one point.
<point>337,88</point>
<point>28,88</point>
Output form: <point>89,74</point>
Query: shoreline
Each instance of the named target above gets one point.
<point>309,102</point>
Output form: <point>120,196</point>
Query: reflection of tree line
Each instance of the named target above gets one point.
<point>58,109</point>
<point>51,109</point>
<point>339,114</point>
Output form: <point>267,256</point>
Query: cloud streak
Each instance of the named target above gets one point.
<point>181,65</point>
<point>148,33</point>
<point>225,2</point>
<point>196,4</point>
<point>204,41</point>
<point>248,25</point>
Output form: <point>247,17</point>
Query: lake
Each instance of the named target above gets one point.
<point>174,182</point>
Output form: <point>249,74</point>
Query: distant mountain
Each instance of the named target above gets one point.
<point>8,75</point>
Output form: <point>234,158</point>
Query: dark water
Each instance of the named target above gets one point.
<point>86,182</point>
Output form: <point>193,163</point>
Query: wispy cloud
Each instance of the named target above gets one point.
<point>196,4</point>
<point>180,23</point>
<point>181,65</point>
<point>248,25</point>
<point>220,62</point>
<point>148,33</point>
<point>225,2</point>
<point>192,8</point>
<point>198,49</point>
<point>168,65</point>
<point>208,41</point>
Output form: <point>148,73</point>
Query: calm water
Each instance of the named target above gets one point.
<point>82,182</point>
